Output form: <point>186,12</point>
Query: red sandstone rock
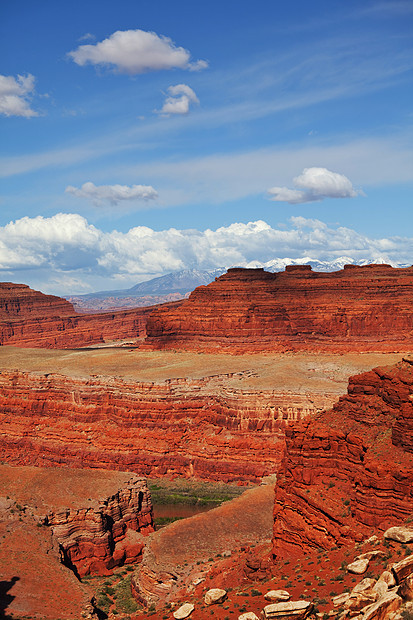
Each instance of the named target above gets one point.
<point>95,540</point>
<point>30,319</point>
<point>350,469</point>
<point>357,309</point>
<point>18,301</point>
<point>185,427</point>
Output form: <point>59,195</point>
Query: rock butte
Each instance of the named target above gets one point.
<point>350,469</point>
<point>356,309</point>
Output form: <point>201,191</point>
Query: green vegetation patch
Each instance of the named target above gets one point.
<point>192,492</point>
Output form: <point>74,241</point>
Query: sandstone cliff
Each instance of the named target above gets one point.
<point>30,319</point>
<point>56,523</point>
<point>188,427</point>
<point>356,309</point>
<point>93,540</point>
<point>18,301</point>
<point>350,469</point>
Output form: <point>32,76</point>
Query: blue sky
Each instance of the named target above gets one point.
<point>139,137</point>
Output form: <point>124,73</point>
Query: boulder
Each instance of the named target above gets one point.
<point>358,567</point>
<point>249,615</point>
<point>184,611</point>
<point>403,569</point>
<point>340,599</point>
<point>361,595</point>
<point>215,595</point>
<point>297,610</point>
<point>364,586</point>
<point>406,589</point>
<point>399,534</point>
<point>277,595</point>
<point>383,608</point>
<point>388,578</point>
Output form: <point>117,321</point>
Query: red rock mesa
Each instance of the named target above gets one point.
<point>356,309</point>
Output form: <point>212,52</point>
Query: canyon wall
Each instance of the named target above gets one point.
<point>95,539</point>
<point>30,319</point>
<point>350,469</point>
<point>356,309</point>
<point>179,426</point>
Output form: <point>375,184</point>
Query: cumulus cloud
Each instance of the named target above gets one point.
<point>113,194</point>
<point>136,51</point>
<point>315,184</point>
<point>15,95</point>
<point>179,100</point>
<point>66,245</point>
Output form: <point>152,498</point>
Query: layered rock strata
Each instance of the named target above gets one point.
<point>188,427</point>
<point>31,319</point>
<point>54,515</point>
<point>350,469</point>
<point>356,309</point>
<point>21,302</point>
<point>94,540</point>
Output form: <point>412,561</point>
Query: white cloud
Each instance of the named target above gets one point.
<point>179,100</point>
<point>87,37</point>
<point>15,95</point>
<point>315,184</point>
<point>46,250</point>
<point>113,194</point>
<point>136,51</point>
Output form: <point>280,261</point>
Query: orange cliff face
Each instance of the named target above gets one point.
<point>350,470</point>
<point>185,427</point>
<point>95,539</point>
<point>356,309</point>
<point>18,301</point>
<point>31,319</point>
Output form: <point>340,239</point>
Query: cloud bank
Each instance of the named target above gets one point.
<point>136,51</point>
<point>15,95</point>
<point>179,100</point>
<point>315,184</point>
<point>113,194</point>
<point>40,251</point>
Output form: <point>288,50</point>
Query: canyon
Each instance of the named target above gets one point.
<point>53,520</point>
<point>245,379</point>
<point>210,416</point>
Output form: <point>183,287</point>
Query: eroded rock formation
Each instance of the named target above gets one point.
<point>31,319</point>
<point>18,301</point>
<point>93,540</point>
<point>187,427</point>
<point>59,523</point>
<point>350,469</point>
<point>356,309</point>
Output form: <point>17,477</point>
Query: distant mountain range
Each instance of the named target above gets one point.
<point>179,284</point>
